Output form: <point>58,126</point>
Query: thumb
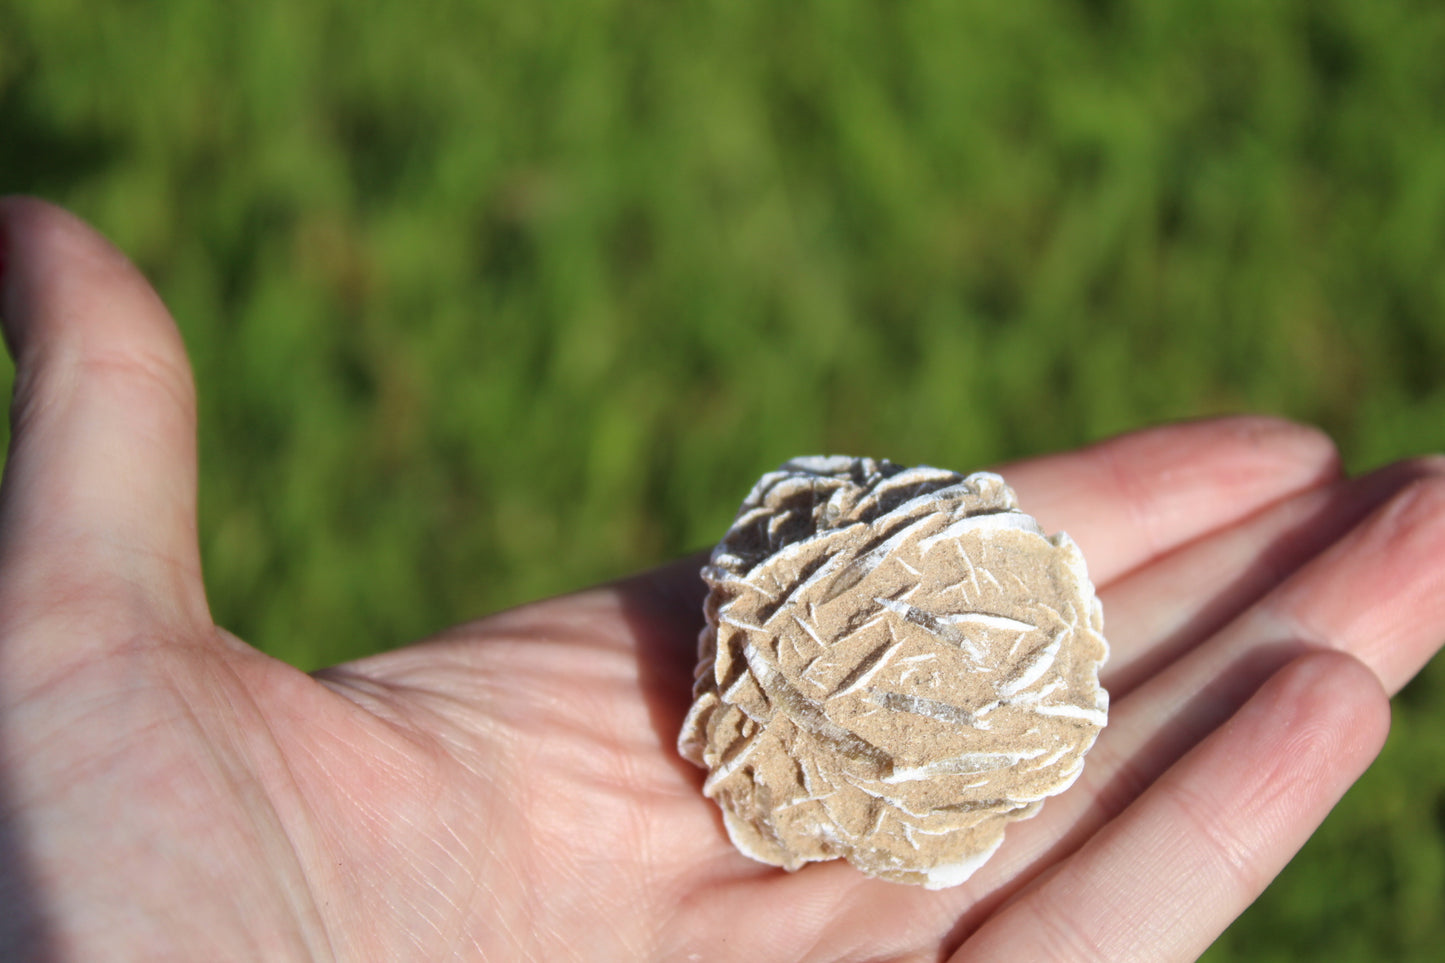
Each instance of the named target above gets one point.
<point>98,500</point>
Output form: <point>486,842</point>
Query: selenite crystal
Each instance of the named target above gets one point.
<point>897,663</point>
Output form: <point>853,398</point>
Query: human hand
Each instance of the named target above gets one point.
<point>510,789</point>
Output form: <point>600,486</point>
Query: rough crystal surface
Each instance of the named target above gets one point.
<point>897,663</point>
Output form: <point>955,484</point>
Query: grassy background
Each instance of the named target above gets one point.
<point>489,300</point>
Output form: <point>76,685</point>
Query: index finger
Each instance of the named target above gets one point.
<point>1136,497</point>
<point>1126,500</point>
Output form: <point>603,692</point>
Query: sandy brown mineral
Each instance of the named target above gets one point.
<point>897,663</point>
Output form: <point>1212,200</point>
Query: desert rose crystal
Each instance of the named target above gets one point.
<point>897,663</point>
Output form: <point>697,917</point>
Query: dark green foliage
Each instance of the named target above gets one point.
<point>492,300</point>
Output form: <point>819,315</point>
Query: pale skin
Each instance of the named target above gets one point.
<point>510,789</point>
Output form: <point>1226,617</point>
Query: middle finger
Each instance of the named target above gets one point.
<point>1156,613</point>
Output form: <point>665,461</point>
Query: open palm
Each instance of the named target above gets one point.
<point>510,789</point>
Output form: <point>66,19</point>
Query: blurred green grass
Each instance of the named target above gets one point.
<point>488,300</point>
